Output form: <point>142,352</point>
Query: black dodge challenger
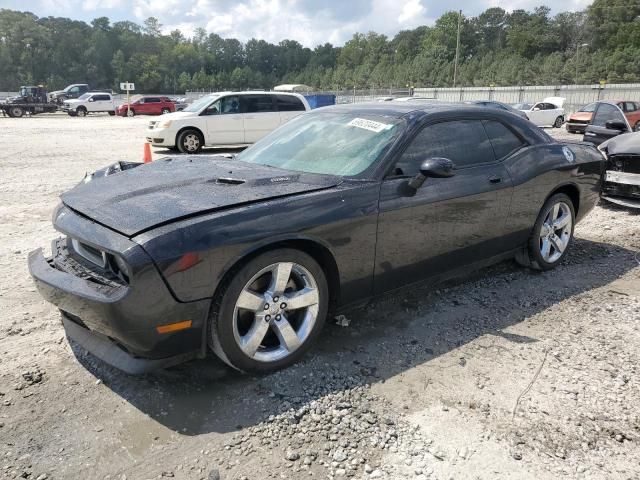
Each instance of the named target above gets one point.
<point>248,256</point>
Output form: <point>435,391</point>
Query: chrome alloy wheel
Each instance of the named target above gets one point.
<point>276,311</point>
<point>555,232</point>
<point>191,142</point>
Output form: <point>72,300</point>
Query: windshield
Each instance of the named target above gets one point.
<point>522,106</point>
<point>326,143</point>
<point>84,96</point>
<point>588,108</point>
<point>200,103</point>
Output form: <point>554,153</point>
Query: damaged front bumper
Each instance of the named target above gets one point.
<point>622,188</point>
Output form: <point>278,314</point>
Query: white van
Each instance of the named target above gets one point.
<point>225,119</point>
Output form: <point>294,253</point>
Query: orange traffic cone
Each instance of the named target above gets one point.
<point>146,157</point>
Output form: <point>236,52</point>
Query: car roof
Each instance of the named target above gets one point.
<point>414,112</point>
<point>401,109</point>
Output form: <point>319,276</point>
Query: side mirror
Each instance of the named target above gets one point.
<point>91,100</point>
<point>436,167</point>
<point>616,125</point>
<point>537,109</point>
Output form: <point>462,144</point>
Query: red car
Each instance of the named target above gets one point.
<point>146,106</point>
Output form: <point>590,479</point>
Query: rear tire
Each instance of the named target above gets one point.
<point>164,111</point>
<point>111,113</point>
<point>190,141</point>
<point>558,123</point>
<point>251,326</point>
<point>551,235</point>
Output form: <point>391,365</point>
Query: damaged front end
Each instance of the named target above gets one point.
<point>622,178</point>
<point>110,170</point>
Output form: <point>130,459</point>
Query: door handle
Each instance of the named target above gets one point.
<point>495,179</point>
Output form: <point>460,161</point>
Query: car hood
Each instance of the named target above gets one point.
<point>171,189</point>
<point>57,92</point>
<point>178,115</point>
<point>584,116</point>
<point>625,144</point>
<point>73,100</point>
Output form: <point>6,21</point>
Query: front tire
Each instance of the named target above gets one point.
<point>552,233</point>
<point>269,312</point>
<point>130,113</point>
<point>81,112</point>
<point>636,127</point>
<point>558,123</point>
<point>16,112</point>
<point>190,141</point>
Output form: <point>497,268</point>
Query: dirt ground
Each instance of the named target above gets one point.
<point>504,374</point>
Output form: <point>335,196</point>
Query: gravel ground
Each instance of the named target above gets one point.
<point>503,374</point>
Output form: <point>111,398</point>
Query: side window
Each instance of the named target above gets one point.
<point>289,103</point>
<point>152,100</point>
<point>101,98</point>
<point>224,106</point>
<point>74,90</point>
<point>504,141</point>
<point>464,142</point>
<point>629,107</point>
<point>539,106</point>
<point>606,112</point>
<point>258,103</point>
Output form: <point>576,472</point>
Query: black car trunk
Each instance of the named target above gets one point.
<point>171,189</point>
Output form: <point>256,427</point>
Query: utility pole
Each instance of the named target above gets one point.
<point>455,65</point>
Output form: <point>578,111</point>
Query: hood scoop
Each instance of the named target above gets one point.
<point>230,181</point>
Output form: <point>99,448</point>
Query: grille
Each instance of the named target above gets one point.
<point>81,267</point>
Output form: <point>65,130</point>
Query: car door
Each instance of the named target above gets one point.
<point>152,105</point>
<point>632,112</point>
<point>102,103</point>
<point>448,222</point>
<point>607,122</point>
<point>224,122</point>
<point>289,106</point>
<point>537,114</point>
<point>260,116</point>
<point>93,103</point>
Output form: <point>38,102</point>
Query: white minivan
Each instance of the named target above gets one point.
<point>225,119</point>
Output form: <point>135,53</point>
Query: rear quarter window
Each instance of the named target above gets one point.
<point>503,140</point>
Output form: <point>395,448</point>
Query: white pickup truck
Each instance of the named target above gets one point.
<point>90,102</point>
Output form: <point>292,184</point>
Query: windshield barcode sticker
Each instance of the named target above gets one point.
<point>369,125</point>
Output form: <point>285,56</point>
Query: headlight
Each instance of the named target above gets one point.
<point>164,124</point>
<point>120,267</point>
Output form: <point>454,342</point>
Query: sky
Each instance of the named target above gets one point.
<point>310,22</point>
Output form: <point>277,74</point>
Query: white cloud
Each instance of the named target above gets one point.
<point>311,22</point>
<point>411,10</point>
